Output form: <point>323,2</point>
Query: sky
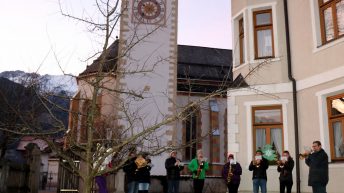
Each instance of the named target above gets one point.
<point>35,37</point>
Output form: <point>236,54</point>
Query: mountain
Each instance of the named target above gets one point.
<point>23,109</point>
<point>47,83</point>
<point>22,106</point>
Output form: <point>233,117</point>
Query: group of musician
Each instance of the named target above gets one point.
<point>316,159</point>
<point>259,165</point>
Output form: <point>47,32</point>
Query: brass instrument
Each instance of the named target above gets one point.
<point>303,156</point>
<point>306,153</point>
<point>140,162</point>
<point>199,169</point>
<point>230,174</point>
<point>280,163</point>
<point>255,163</point>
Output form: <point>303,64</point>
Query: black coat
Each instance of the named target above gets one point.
<point>129,169</point>
<point>259,172</point>
<point>237,171</point>
<point>173,172</point>
<point>143,174</point>
<point>318,168</point>
<point>286,172</point>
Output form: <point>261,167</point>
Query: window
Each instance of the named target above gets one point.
<point>335,106</point>
<point>331,19</point>
<point>263,34</point>
<point>241,41</point>
<point>268,127</point>
<point>191,135</point>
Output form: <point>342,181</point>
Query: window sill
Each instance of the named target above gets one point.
<point>336,164</point>
<point>237,67</point>
<point>256,61</point>
<point>328,45</point>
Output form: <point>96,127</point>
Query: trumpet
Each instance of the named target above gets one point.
<point>280,163</point>
<point>303,155</point>
<point>256,163</point>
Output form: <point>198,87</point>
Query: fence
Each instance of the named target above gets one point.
<point>14,177</point>
<point>68,181</point>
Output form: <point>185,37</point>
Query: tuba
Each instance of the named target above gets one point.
<point>230,174</point>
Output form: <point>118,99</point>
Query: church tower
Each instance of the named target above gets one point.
<point>148,68</point>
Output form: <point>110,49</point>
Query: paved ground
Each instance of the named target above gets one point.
<point>47,191</point>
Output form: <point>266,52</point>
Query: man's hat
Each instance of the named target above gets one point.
<point>258,150</point>
<point>173,151</point>
<point>230,156</point>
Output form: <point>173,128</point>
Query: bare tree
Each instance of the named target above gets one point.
<point>104,116</point>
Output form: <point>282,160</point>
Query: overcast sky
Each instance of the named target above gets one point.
<point>30,30</point>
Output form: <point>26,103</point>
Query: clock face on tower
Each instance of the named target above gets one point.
<point>149,11</point>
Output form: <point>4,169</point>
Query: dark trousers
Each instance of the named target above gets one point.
<point>101,182</point>
<point>173,186</point>
<point>319,189</point>
<point>286,185</point>
<point>232,188</point>
<point>198,185</point>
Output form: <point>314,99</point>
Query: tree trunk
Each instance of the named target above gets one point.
<point>88,185</point>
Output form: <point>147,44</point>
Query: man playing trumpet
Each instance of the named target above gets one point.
<point>285,168</point>
<point>173,167</point>
<point>259,165</point>
<point>318,168</point>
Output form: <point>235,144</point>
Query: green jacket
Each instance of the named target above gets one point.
<point>193,165</point>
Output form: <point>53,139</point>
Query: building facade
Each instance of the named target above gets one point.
<point>146,59</point>
<point>295,95</point>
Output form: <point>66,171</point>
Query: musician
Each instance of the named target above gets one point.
<point>231,173</point>
<point>285,168</point>
<point>173,167</point>
<point>142,173</point>
<point>259,165</point>
<point>198,166</point>
<point>130,174</point>
<point>318,168</point>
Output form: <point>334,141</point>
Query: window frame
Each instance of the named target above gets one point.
<point>332,119</point>
<point>267,126</point>
<point>192,147</point>
<point>322,7</point>
<point>241,41</point>
<point>257,28</point>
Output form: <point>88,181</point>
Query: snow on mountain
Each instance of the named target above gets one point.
<point>50,83</point>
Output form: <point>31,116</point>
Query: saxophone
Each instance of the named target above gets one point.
<point>230,174</point>
<point>199,169</point>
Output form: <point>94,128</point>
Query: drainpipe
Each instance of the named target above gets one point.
<point>292,79</point>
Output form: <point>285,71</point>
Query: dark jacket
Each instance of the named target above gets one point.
<point>143,174</point>
<point>236,170</point>
<point>318,168</point>
<point>259,172</point>
<point>129,169</point>
<point>173,172</point>
<point>286,171</point>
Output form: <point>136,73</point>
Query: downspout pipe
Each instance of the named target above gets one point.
<point>292,79</point>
